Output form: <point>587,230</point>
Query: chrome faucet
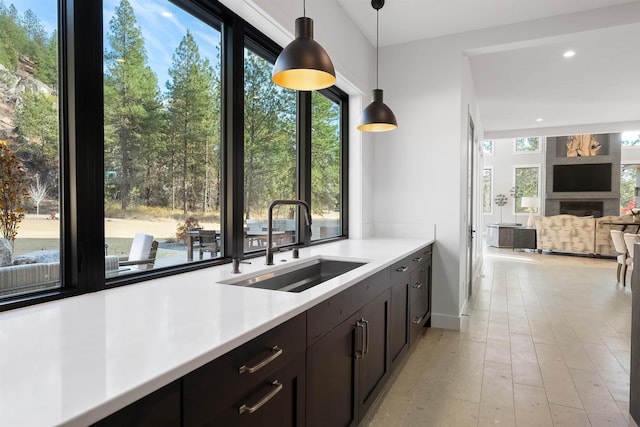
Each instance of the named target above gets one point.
<point>307,216</point>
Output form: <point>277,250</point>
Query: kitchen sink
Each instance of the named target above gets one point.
<point>299,277</point>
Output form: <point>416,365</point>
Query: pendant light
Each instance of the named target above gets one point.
<point>304,64</point>
<point>377,117</point>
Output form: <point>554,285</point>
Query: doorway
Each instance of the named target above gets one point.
<point>470,200</point>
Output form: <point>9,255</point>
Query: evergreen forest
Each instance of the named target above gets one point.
<point>162,140</point>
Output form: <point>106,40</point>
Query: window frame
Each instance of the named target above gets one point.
<point>80,65</point>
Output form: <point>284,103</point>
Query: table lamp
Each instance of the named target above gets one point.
<point>529,202</point>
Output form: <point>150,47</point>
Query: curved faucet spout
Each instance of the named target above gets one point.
<point>307,217</point>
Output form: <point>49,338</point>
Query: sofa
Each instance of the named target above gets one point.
<point>569,233</point>
<point>15,279</point>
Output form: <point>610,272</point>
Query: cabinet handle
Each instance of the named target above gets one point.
<point>417,259</point>
<point>417,285</point>
<point>359,324</point>
<point>417,320</point>
<point>276,387</point>
<point>402,269</point>
<point>366,346</point>
<point>275,353</point>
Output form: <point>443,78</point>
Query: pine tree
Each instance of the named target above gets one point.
<point>270,137</point>
<point>191,105</point>
<point>131,95</point>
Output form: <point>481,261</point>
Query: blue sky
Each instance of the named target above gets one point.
<point>163,26</point>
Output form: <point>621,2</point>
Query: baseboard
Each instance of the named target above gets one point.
<point>445,321</point>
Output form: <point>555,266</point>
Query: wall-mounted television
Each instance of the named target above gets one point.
<point>582,177</point>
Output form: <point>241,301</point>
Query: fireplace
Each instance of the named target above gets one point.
<point>582,208</point>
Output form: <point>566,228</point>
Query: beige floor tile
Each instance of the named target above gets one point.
<point>526,372</point>
<point>531,406</point>
<point>545,342</point>
<point>598,402</point>
<point>496,402</point>
<point>564,416</point>
<point>498,351</point>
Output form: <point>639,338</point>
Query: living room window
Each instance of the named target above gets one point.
<point>526,184</point>
<point>156,130</point>
<point>487,147</point>
<point>529,144</point>
<point>487,190</point>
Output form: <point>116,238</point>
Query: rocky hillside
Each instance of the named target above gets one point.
<point>13,84</point>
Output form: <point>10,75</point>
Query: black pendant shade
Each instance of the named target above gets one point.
<point>304,64</point>
<point>377,117</point>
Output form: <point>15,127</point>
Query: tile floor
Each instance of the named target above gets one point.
<point>546,343</point>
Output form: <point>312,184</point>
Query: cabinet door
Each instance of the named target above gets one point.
<point>398,312</point>
<point>331,376</point>
<point>374,364</point>
<point>160,408</point>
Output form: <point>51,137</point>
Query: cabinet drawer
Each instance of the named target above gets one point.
<point>276,401</point>
<point>325,316</point>
<point>224,381</point>
<point>417,319</point>
<point>418,283</point>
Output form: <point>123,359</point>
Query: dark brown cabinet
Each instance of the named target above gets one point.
<point>346,367</point>
<point>261,383</point>
<point>324,367</point>
<point>399,310</point>
<point>160,408</point>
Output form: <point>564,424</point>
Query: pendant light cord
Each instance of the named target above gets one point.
<point>377,43</point>
<point>304,8</point>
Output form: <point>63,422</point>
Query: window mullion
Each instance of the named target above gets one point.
<point>303,140</point>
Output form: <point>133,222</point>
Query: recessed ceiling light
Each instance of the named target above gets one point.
<point>538,119</point>
<point>569,54</point>
<point>166,14</point>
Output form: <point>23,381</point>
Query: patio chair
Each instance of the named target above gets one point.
<point>142,254</point>
<point>208,242</point>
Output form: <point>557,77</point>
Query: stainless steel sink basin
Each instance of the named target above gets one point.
<point>299,277</point>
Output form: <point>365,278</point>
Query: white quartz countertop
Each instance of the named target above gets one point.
<point>77,360</point>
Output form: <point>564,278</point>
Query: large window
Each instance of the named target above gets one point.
<point>326,167</point>
<point>30,211</point>
<point>526,184</point>
<point>162,137</point>
<point>175,141</point>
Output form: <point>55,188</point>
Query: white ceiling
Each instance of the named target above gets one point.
<point>514,87</point>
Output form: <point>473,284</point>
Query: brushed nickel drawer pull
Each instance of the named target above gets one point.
<point>360,353</point>
<point>417,320</point>
<point>417,285</point>
<point>402,269</point>
<point>366,346</point>
<point>417,259</point>
<point>275,353</point>
<point>276,387</point>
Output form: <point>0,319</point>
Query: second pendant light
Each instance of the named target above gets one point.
<point>377,117</point>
